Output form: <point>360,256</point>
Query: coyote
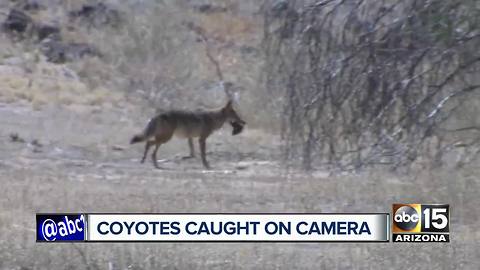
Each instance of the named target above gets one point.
<point>187,124</point>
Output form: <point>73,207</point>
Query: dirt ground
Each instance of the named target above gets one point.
<point>77,159</point>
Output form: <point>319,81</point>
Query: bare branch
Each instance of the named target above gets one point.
<point>218,71</point>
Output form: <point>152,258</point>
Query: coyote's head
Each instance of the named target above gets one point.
<point>231,115</point>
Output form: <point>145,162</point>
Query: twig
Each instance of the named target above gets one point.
<point>203,36</point>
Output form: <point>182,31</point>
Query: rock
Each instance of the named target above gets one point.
<point>209,9</point>
<point>20,22</point>
<point>36,143</point>
<point>241,167</point>
<point>60,52</point>
<point>55,51</point>
<point>30,5</point>
<point>14,137</point>
<point>79,50</point>
<point>97,15</point>
<point>46,30</point>
<point>36,146</point>
<point>17,22</point>
<point>118,148</point>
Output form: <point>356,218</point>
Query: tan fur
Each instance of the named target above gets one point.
<point>185,124</point>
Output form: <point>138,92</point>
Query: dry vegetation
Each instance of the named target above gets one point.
<point>367,83</point>
<point>64,129</point>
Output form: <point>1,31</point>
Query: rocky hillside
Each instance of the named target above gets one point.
<point>149,54</point>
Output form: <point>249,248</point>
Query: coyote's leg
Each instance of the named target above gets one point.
<point>147,147</point>
<point>202,142</point>
<point>159,140</point>
<point>154,155</point>
<point>192,149</point>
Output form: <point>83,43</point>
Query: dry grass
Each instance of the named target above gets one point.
<point>123,189</point>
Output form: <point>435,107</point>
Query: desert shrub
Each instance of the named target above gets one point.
<point>374,82</point>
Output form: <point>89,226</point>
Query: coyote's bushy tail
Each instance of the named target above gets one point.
<point>137,138</point>
<point>147,133</point>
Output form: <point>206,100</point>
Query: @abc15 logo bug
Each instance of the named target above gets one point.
<point>421,223</point>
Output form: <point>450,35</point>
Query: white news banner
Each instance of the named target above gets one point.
<point>238,227</point>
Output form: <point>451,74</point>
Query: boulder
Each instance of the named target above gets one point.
<point>47,31</point>
<point>30,5</point>
<point>96,15</point>
<point>209,8</point>
<point>17,21</point>
<point>59,52</point>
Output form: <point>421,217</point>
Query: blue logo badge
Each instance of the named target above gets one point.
<point>61,227</point>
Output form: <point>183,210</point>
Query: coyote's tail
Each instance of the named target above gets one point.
<point>137,138</point>
<point>147,133</point>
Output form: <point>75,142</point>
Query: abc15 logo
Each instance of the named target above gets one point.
<point>421,218</point>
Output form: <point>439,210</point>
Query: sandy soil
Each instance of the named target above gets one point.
<point>77,159</point>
